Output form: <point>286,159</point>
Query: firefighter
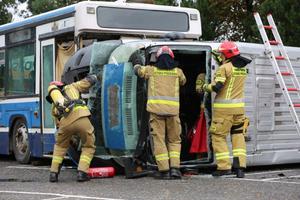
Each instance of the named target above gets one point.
<point>200,81</point>
<point>228,110</point>
<point>72,117</point>
<point>164,80</point>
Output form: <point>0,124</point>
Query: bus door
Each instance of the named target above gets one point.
<point>47,75</point>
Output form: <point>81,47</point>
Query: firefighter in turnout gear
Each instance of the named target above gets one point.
<point>164,81</point>
<point>228,111</point>
<point>72,117</point>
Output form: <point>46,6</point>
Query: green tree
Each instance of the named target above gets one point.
<point>41,6</point>
<point>6,16</point>
<point>287,18</point>
<point>229,19</point>
<point>209,21</point>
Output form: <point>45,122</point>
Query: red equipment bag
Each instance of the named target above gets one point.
<point>99,172</point>
<point>198,135</point>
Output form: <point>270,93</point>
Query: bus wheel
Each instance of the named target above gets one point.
<point>20,142</point>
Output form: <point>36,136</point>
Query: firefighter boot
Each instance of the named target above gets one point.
<point>82,176</point>
<point>221,172</point>
<point>238,170</point>
<point>175,173</point>
<point>240,173</point>
<point>53,177</point>
<point>162,175</point>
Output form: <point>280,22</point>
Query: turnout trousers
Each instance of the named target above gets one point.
<point>84,129</point>
<point>222,125</point>
<point>165,131</point>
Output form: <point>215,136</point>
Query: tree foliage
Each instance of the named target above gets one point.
<point>287,18</point>
<point>41,6</point>
<point>5,15</point>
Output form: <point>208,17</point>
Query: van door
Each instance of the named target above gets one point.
<point>193,58</point>
<point>47,75</point>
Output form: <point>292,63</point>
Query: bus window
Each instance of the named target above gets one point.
<point>109,17</point>
<point>2,67</point>
<point>21,70</point>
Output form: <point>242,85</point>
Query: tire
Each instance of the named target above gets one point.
<point>21,142</point>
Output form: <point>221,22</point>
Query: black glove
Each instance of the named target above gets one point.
<point>137,59</point>
<point>136,69</point>
<point>49,99</point>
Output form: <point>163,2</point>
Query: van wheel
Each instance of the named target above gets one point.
<point>20,142</point>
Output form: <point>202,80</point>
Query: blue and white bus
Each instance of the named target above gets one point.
<point>104,37</point>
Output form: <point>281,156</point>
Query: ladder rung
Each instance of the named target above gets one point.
<point>296,104</point>
<point>292,89</point>
<point>273,42</point>
<point>279,57</point>
<point>268,27</point>
<point>286,73</point>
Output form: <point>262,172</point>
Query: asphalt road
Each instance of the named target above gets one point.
<point>28,182</point>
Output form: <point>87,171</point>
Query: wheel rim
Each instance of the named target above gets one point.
<point>22,139</point>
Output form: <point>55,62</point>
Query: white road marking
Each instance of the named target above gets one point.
<point>27,167</point>
<point>59,195</point>
<point>38,168</point>
<point>282,177</point>
<point>271,172</point>
<point>268,180</point>
<point>260,180</point>
<point>55,198</point>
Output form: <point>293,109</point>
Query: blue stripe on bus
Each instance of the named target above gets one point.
<point>38,18</point>
<point>10,111</point>
<point>4,143</point>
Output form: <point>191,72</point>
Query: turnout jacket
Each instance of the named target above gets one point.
<point>231,95</point>
<point>71,93</point>
<point>163,89</point>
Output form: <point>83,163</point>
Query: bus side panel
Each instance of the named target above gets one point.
<point>48,141</point>
<point>4,136</point>
<point>10,111</point>
<point>35,144</point>
<point>4,142</point>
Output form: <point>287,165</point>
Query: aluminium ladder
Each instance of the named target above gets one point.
<point>290,73</point>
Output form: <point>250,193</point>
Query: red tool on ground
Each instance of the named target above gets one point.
<point>99,172</point>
